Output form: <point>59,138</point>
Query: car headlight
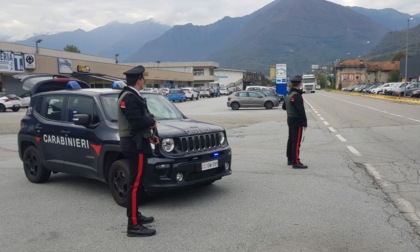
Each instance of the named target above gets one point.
<point>221,138</point>
<point>168,144</point>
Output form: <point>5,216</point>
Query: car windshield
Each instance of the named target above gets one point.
<point>158,105</point>
<point>308,80</point>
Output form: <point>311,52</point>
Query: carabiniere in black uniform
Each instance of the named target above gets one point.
<point>297,122</point>
<point>135,124</point>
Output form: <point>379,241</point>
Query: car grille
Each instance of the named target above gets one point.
<point>198,143</point>
<point>202,175</point>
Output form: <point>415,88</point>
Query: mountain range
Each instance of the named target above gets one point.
<point>296,32</point>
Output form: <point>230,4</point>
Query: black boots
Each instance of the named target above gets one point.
<point>139,229</point>
<point>143,219</point>
<point>299,166</point>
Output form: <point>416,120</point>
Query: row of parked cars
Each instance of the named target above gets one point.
<point>411,89</point>
<point>190,93</point>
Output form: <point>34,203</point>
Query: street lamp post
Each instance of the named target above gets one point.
<point>116,58</point>
<point>406,56</point>
<point>36,44</point>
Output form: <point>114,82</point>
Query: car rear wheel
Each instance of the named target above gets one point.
<point>234,106</point>
<point>268,105</point>
<point>32,165</point>
<point>118,179</point>
<point>2,108</point>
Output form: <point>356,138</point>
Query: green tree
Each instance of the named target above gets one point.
<point>398,55</point>
<point>322,80</point>
<point>71,48</point>
<point>394,76</point>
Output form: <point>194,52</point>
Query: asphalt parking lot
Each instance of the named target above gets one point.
<point>263,206</point>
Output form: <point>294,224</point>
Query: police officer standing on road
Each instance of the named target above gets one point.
<point>296,120</point>
<point>135,125</point>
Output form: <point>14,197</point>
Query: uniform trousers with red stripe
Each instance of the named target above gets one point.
<point>293,144</point>
<point>137,162</point>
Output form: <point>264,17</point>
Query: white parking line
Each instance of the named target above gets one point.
<point>354,151</point>
<point>322,118</point>
<point>342,139</point>
<point>413,120</point>
<point>332,129</point>
<point>326,123</point>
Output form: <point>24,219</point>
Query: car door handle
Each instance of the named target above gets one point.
<point>65,132</point>
<point>39,128</point>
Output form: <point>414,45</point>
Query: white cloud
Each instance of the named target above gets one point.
<point>24,18</point>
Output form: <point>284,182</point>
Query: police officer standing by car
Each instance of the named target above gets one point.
<point>136,126</point>
<point>296,120</point>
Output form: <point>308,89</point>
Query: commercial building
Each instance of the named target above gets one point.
<point>99,72</point>
<point>202,72</point>
<point>230,77</point>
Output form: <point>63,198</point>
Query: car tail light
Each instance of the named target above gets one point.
<point>7,100</point>
<point>229,98</point>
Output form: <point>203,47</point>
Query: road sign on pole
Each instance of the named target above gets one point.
<point>281,79</point>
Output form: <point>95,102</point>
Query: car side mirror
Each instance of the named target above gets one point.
<point>260,96</point>
<point>81,119</point>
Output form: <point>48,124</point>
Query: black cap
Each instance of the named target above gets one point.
<point>135,72</point>
<point>296,79</point>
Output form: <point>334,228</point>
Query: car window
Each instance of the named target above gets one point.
<point>82,105</point>
<point>254,94</point>
<point>243,94</point>
<point>109,104</point>
<point>161,108</point>
<point>50,107</point>
<point>158,105</point>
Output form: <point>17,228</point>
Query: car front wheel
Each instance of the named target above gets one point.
<point>119,176</point>
<point>32,165</point>
<point>234,106</point>
<point>268,105</point>
<point>15,109</point>
<point>118,179</point>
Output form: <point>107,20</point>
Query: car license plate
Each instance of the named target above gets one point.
<point>209,165</point>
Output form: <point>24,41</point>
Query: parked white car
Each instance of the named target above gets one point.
<point>388,87</point>
<point>25,99</point>
<point>9,101</point>
<point>191,93</point>
<point>224,91</point>
<point>376,89</point>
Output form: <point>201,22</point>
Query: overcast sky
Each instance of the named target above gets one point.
<point>20,19</point>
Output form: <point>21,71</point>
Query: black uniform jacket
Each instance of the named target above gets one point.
<point>134,108</point>
<point>296,102</point>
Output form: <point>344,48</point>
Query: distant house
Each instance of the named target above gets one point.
<point>356,71</point>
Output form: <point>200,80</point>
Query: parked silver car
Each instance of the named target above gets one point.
<point>399,91</point>
<point>248,99</point>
